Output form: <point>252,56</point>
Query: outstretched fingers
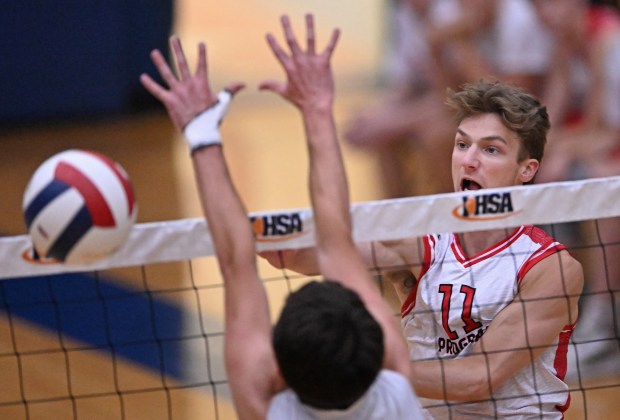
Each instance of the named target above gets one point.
<point>179,55</point>
<point>331,46</point>
<point>307,72</point>
<point>276,49</point>
<point>189,94</point>
<point>153,87</point>
<point>163,68</point>
<point>290,36</point>
<point>284,60</point>
<point>310,37</point>
<point>202,70</point>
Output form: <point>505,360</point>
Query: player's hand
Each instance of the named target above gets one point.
<point>278,259</point>
<point>309,77</point>
<point>187,94</point>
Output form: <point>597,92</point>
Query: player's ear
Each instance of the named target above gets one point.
<point>528,170</point>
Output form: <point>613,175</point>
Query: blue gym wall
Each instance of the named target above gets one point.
<point>77,58</point>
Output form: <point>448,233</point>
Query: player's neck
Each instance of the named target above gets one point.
<point>473,243</point>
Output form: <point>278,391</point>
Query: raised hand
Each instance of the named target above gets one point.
<point>309,78</point>
<point>187,94</point>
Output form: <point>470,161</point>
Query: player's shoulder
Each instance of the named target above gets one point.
<point>556,270</point>
<point>538,235</point>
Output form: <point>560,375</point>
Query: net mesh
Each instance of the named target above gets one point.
<point>140,335</point>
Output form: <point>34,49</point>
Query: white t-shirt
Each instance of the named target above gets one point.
<point>389,397</point>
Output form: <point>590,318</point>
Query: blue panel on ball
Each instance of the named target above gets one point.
<point>79,225</point>
<point>46,196</point>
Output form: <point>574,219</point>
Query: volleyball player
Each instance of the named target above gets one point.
<point>487,315</point>
<point>336,349</point>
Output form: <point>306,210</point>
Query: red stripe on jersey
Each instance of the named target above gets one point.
<point>457,250</point>
<point>552,248</point>
<point>95,203</point>
<point>499,247</point>
<point>560,364</point>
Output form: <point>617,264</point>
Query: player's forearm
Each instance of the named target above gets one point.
<point>226,216</point>
<point>328,184</point>
<point>471,378</point>
<point>455,380</point>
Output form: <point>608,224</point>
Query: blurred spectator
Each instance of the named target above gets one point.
<point>501,39</point>
<point>434,45</point>
<point>413,94</point>
<point>582,93</point>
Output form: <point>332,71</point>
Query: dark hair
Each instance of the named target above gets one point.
<point>328,346</point>
<point>520,111</point>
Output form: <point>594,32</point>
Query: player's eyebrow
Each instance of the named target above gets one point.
<point>486,138</point>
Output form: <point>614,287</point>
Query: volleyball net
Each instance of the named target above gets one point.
<point>140,334</point>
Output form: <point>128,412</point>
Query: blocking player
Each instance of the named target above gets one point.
<point>336,350</point>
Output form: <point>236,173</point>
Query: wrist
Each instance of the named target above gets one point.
<point>204,129</point>
<point>317,109</point>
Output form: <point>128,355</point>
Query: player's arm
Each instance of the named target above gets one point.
<point>250,361</point>
<point>377,254</point>
<point>398,261</point>
<point>249,358</point>
<point>547,302</point>
<point>310,88</point>
<point>379,257</point>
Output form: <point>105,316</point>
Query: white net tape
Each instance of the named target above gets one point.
<point>377,220</point>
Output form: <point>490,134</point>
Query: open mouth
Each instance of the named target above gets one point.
<point>469,185</point>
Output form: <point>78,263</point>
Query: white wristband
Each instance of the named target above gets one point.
<point>204,129</point>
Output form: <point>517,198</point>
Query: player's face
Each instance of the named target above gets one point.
<point>485,155</point>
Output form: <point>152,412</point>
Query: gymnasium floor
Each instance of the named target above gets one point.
<point>264,145</point>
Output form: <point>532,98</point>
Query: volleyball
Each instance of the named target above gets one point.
<point>79,207</point>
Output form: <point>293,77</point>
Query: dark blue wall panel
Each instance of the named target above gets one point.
<point>77,58</point>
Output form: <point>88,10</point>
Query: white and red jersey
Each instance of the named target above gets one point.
<point>455,300</point>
